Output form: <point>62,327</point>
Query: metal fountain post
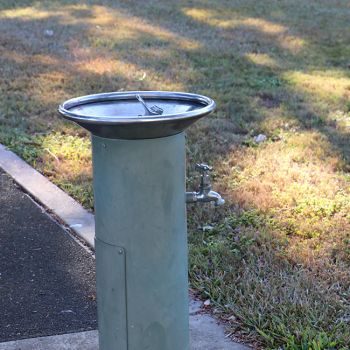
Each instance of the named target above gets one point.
<point>138,147</point>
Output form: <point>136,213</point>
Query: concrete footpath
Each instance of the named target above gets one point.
<point>47,278</point>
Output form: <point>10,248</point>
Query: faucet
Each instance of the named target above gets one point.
<point>205,194</point>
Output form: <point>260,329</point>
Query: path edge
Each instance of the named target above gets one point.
<point>49,195</point>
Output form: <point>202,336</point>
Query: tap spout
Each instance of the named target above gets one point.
<point>211,196</point>
<point>205,193</point>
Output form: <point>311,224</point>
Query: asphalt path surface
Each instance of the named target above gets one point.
<point>47,280</point>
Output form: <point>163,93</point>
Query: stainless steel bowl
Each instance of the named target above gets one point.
<point>121,115</point>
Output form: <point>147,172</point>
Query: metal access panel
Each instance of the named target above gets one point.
<point>111,289</point>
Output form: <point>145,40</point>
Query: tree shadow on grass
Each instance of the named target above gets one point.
<point>233,38</point>
<point>216,63</point>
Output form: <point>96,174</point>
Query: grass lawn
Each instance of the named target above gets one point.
<point>276,265</point>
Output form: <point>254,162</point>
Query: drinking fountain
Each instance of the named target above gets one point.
<point>138,148</point>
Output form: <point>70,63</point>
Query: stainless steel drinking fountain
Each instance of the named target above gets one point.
<point>138,147</point>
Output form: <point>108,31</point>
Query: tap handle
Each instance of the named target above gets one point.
<point>203,168</point>
<point>205,183</point>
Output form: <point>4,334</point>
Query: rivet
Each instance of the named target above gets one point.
<point>120,251</point>
<point>104,145</point>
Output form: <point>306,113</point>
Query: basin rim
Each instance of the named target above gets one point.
<point>64,109</point>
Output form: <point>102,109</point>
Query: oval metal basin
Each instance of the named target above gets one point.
<point>121,115</point>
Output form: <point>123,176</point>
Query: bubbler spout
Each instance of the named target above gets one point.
<point>205,193</point>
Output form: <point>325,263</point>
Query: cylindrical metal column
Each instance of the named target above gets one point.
<point>141,236</point>
<point>141,243</point>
